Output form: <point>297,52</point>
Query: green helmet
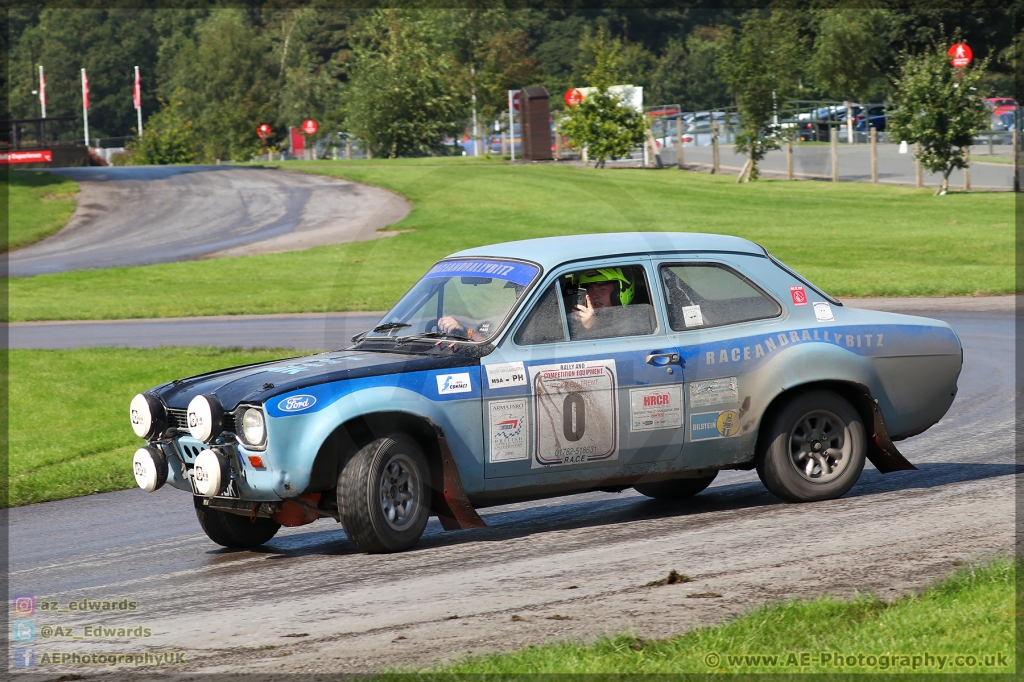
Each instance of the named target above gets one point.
<point>626,288</point>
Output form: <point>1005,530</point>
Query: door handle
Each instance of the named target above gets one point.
<point>663,359</point>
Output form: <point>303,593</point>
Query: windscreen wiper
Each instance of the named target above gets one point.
<point>388,326</point>
<point>431,335</point>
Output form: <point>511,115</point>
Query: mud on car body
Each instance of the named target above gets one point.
<point>501,376</point>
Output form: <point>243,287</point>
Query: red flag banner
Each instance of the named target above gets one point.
<point>137,95</point>
<point>85,91</point>
<point>42,88</point>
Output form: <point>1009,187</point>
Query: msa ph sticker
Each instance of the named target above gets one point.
<point>714,392</point>
<point>714,425</point>
<point>453,383</point>
<point>505,374</point>
<point>655,408</point>
<point>692,316</point>
<point>823,312</point>
<point>575,415</point>
<point>509,431</point>
<point>799,295</point>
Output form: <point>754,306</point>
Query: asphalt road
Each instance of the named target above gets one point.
<point>815,162</point>
<point>140,215</point>
<point>308,602</point>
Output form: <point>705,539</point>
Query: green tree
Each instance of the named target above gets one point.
<point>847,45</point>
<point>938,106</point>
<point>760,65</point>
<point>406,92</point>
<point>603,123</point>
<point>169,138</point>
<point>686,73</point>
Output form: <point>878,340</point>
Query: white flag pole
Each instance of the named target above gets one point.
<point>512,124</point>
<point>85,105</point>
<point>42,90</point>
<point>138,99</point>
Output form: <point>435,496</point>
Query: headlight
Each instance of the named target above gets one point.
<point>147,415</point>
<point>205,418</point>
<point>253,428</point>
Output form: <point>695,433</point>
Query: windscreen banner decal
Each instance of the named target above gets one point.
<point>509,430</point>
<point>655,408</point>
<point>575,413</point>
<point>510,271</point>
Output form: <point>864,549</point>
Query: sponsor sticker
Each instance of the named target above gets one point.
<point>692,316</point>
<point>509,430</point>
<point>296,403</point>
<point>655,408</point>
<point>575,412</point>
<point>453,383</point>
<point>708,425</point>
<point>505,374</point>
<point>799,295</point>
<point>714,392</point>
<point>823,312</point>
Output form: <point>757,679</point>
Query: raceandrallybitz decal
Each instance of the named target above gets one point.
<point>708,425</point>
<point>771,343</point>
<point>575,412</point>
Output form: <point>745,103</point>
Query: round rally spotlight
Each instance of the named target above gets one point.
<point>210,473</point>
<point>205,417</point>
<point>150,466</point>
<point>148,417</point>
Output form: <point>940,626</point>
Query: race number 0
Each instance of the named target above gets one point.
<point>574,417</point>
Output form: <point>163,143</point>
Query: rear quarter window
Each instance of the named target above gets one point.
<point>702,295</point>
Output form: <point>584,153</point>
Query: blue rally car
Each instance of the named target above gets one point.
<point>548,367</point>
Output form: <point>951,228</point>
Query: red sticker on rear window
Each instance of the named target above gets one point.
<point>799,296</point>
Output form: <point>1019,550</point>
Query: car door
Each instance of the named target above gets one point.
<point>711,306</point>
<point>560,407</point>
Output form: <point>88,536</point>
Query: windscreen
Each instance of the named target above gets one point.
<point>465,299</point>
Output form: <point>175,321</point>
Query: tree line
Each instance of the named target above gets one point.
<point>402,80</point>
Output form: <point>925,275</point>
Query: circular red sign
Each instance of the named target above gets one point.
<point>264,131</point>
<point>573,97</point>
<point>309,126</point>
<point>960,55</point>
<point>515,101</point>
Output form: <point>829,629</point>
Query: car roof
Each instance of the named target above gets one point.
<point>550,252</point>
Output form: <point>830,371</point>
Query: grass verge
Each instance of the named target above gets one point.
<point>970,614</point>
<point>39,204</point>
<point>69,431</point>
<point>852,239</point>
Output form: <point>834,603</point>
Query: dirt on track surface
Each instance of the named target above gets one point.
<point>140,215</point>
<point>309,602</point>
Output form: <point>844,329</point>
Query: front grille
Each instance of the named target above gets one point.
<point>178,419</point>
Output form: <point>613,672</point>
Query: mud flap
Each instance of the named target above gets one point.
<point>452,506</point>
<point>881,451</point>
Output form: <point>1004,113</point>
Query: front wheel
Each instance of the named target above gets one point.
<point>815,449</point>
<point>233,530</point>
<point>383,495</point>
<point>675,489</point>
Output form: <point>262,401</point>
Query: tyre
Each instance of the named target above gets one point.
<point>383,495</point>
<point>676,488</point>
<point>815,449</point>
<point>233,530</point>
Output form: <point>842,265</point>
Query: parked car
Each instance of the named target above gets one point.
<point>549,367</point>
<point>1001,105</point>
<point>873,117</point>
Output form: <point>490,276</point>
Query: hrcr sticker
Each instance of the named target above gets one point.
<point>708,425</point>
<point>575,415</point>
<point>823,312</point>
<point>714,392</point>
<point>509,431</point>
<point>506,374</point>
<point>655,408</point>
<point>799,295</point>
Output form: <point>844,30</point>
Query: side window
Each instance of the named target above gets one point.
<point>708,295</point>
<point>607,303</point>
<point>543,323</point>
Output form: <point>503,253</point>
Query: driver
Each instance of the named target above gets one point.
<point>605,287</point>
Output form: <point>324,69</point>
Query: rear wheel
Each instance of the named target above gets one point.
<point>675,489</point>
<point>815,449</point>
<point>383,496</point>
<point>234,530</point>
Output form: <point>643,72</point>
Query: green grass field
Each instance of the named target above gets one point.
<point>39,204</point>
<point>69,431</point>
<point>970,614</point>
<point>852,239</point>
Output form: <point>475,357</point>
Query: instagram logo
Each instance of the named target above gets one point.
<point>23,606</point>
